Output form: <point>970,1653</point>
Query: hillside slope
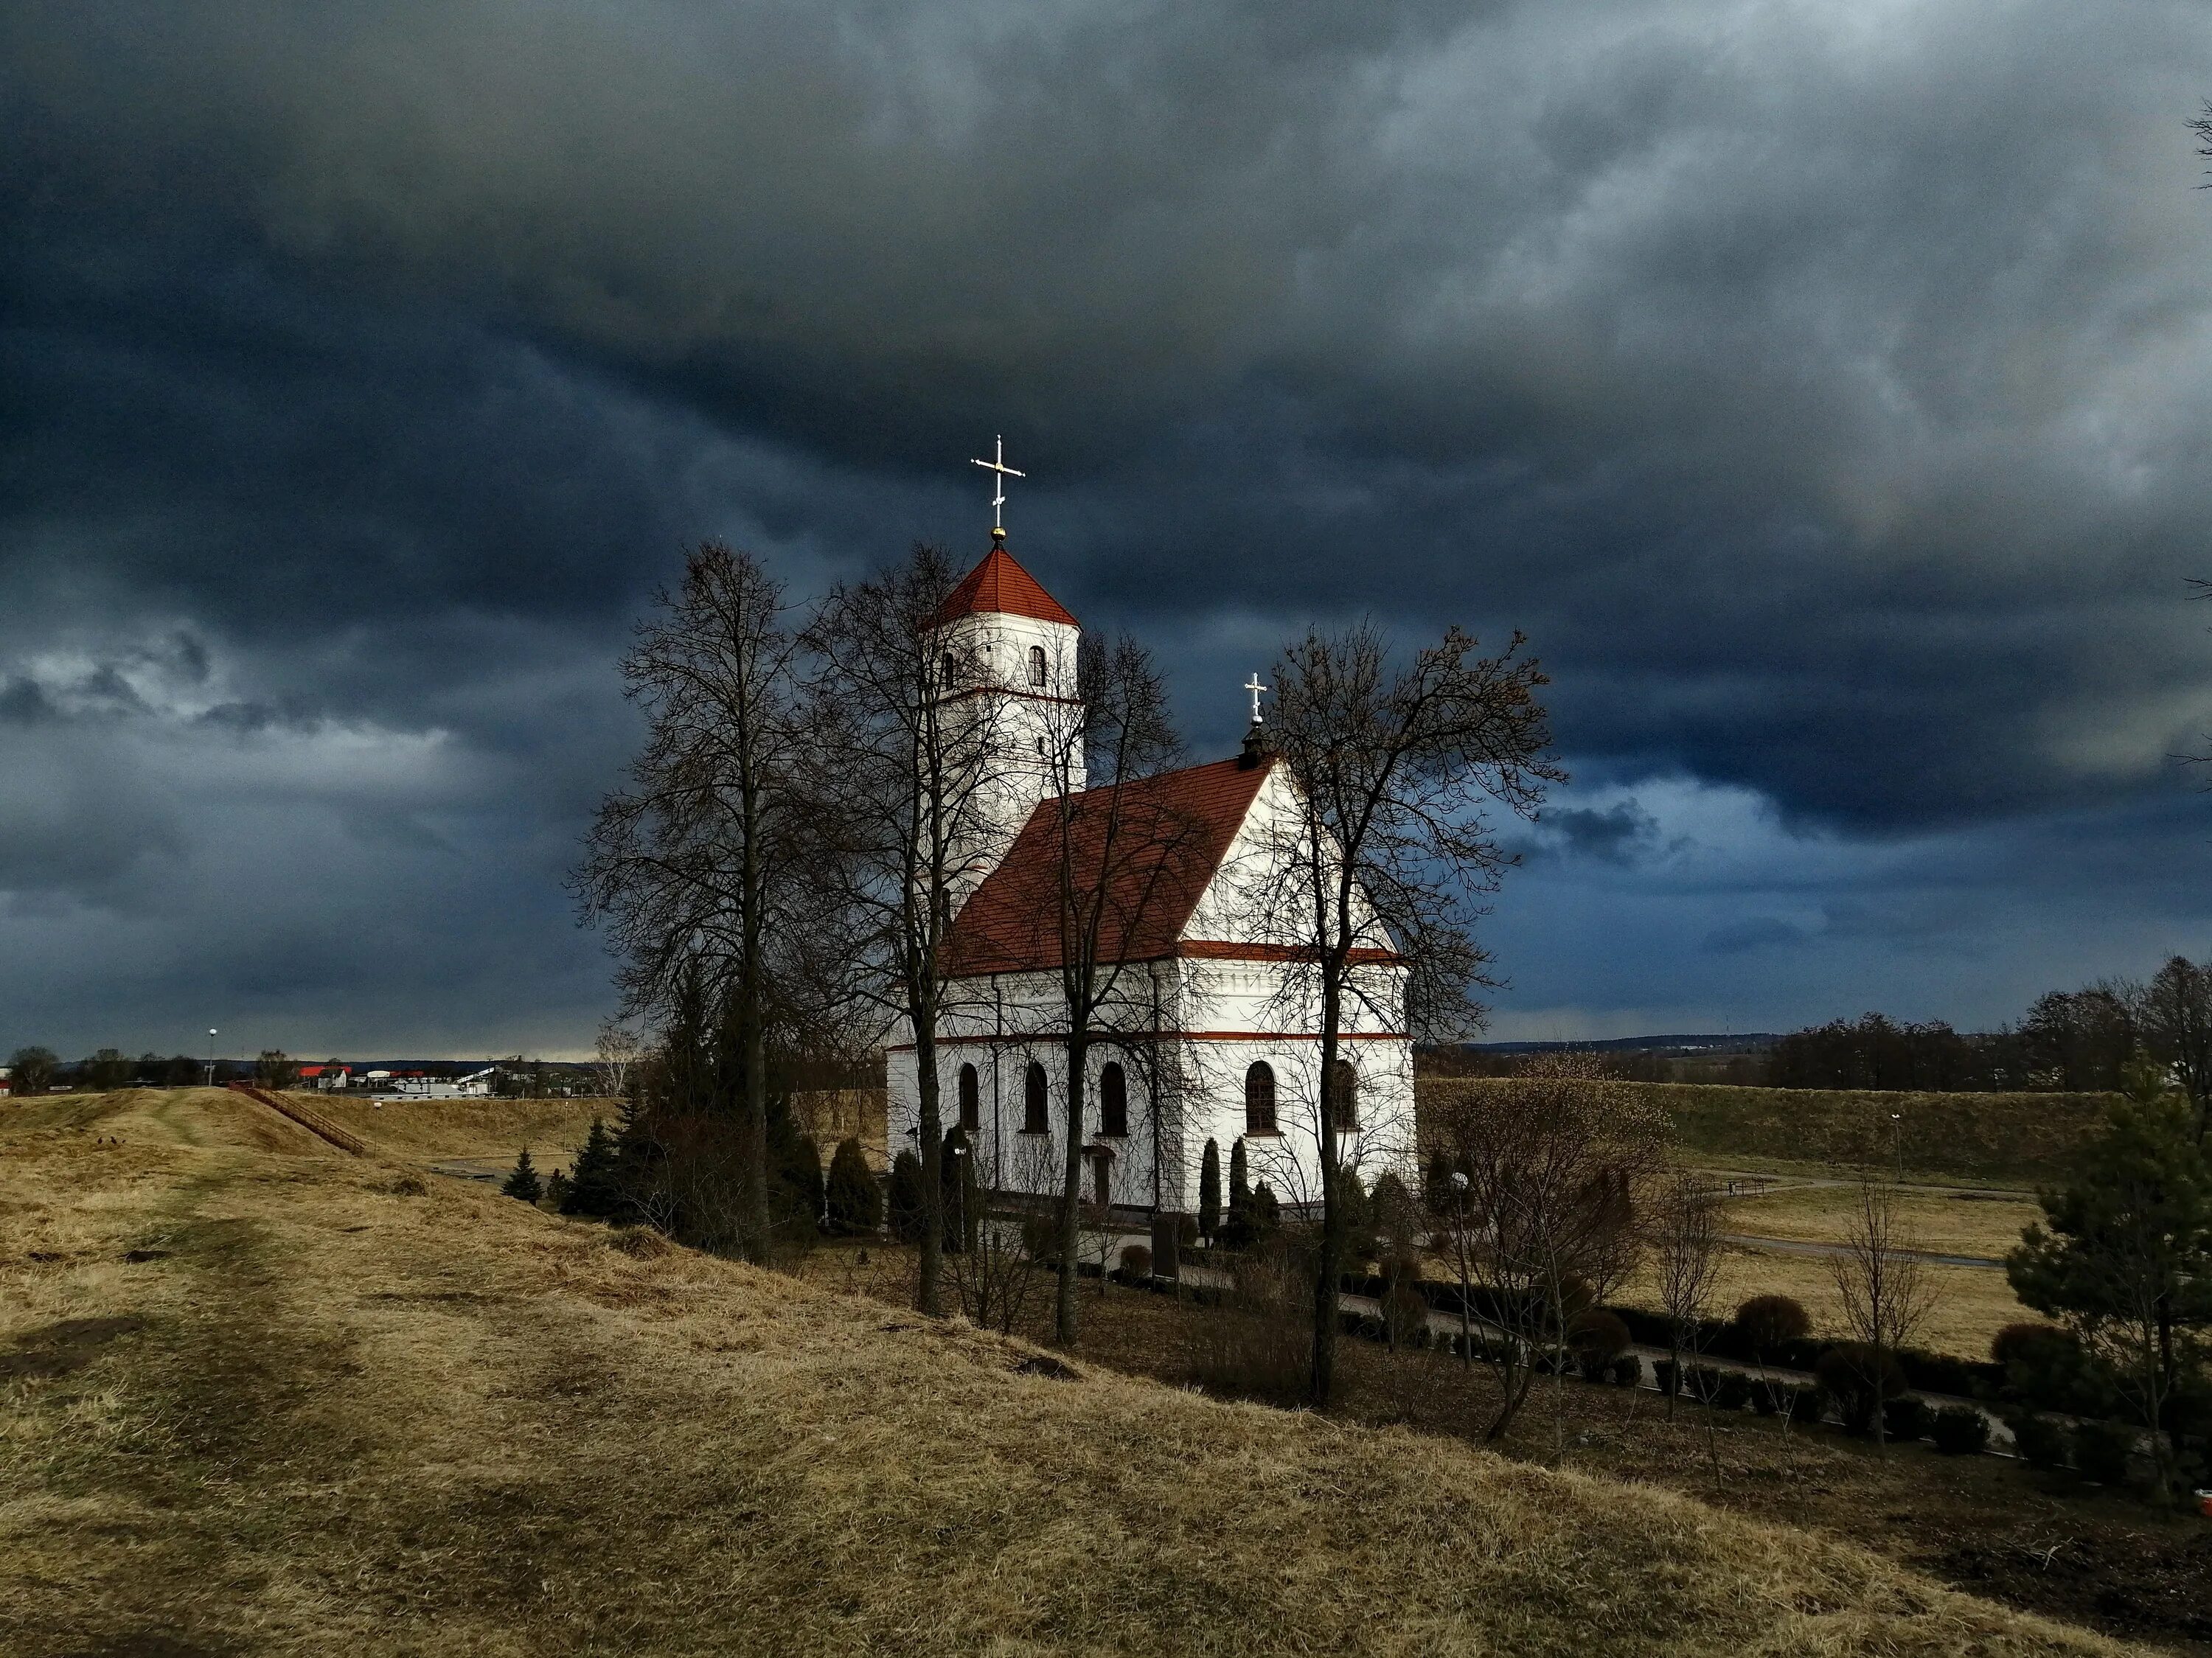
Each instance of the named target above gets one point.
<point>259,1403</point>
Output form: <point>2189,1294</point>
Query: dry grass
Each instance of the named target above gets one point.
<point>464,1128</point>
<point>1985,1225</point>
<point>2018,1140</point>
<point>348,1418</point>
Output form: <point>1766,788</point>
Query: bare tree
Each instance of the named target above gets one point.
<point>1882,1282</point>
<point>2173,1012</point>
<point>1551,1176</point>
<point>1686,1248</point>
<point>908,761</point>
<point>705,865</point>
<point>616,1053</point>
<point>1395,766</point>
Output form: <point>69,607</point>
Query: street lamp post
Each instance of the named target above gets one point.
<point>210,1064</point>
<point>1466,1320</point>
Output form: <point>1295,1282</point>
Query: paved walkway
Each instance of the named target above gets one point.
<point>1811,1246</point>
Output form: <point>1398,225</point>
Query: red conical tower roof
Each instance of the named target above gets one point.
<point>1000,584</point>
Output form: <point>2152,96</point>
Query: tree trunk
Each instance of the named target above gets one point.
<point>1070,1195</point>
<point>930,1296</point>
<point>1330,1267</point>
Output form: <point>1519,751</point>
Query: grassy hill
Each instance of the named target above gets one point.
<point>2012,1140</point>
<point>266,1400</point>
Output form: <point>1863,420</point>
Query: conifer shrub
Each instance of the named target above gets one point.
<point>1809,1404</point>
<point>1041,1237</point>
<point>522,1182</point>
<point>1186,1232</point>
<point>557,1191</point>
<point>1267,1212</point>
<point>903,1199</point>
<point>1136,1263</point>
<point>592,1187</point>
<point>1626,1372</point>
<point>853,1200</point>
<point>1209,1193</point>
<point>2101,1452</point>
<point>1959,1431</point>
<point>1668,1375</point>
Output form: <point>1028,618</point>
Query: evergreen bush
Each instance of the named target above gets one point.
<point>903,1199</point>
<point>523,1183</point>
<point>1959,1431</point>
<point>853,1200</point>
<point>1668,1376</point>
<point>1136,1262</point>
<point>1626,1372</point>
<point>1209,1193</point>
<point>1809,1404</point>
<point>592,1187</point>
<point>1597,1339</point>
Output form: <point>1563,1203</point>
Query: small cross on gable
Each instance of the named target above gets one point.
<point>997,467</point>
<point>1254,686</point>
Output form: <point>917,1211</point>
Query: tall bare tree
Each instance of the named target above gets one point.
<point>1685,1252</point>
<point>1397,763</point>
<point>1882,1282</point>
<point>700,871</point>
<point>910,755</point>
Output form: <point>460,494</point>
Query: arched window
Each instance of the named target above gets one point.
<point>1036,665</point>
<point>971,1102</point>
<point>1344,1097</point>
<point>1033,1118</point>
<point>1113,1102</point>
<point>1260,1099</point>
<point>947,671</point>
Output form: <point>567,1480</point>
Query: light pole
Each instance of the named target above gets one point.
<point>960,1200</point>
<point>210,1064</point>
<point>1466,1320</point>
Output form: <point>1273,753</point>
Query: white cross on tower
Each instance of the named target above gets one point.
<point>998,466</point>
<point>1254,686</point>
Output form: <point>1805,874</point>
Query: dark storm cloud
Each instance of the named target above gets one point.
<point>1824,390</point>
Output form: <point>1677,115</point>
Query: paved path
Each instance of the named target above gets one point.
<point>1810,1247</point>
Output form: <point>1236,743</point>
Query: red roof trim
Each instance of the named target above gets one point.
<point>1000,586</point>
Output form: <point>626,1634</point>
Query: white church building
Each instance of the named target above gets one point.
<point>1212,1029</point>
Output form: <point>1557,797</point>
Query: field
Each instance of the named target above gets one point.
<point>264,1399</point>
<point>1996,1139</point>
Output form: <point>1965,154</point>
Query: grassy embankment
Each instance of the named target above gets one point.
<point>1998,1147</point>
<point>278,1400</point>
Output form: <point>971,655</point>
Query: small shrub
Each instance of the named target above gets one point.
<point>639,1243</point>
<point>2102,1450</point>
<point>1186,1232</point>
<point>1596,1338</point>
<point>1041,1237</point>
<point>1906,1419</point>
<point>2026,1340</point>
<point>1767,1322</point>
<point>1809,1404</point>
<point>1668,1375</point>
<point>2040,1442</point>
<point>1730,1391</point>
<point>1848,1371</point>
<point>1960,1430</point>
<point>1626,1372</point>
<point>1136,1262</point>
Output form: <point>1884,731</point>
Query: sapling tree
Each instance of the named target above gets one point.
<point>1882,1281</point>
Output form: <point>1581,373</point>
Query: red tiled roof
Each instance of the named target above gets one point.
<point>1153,857</point>
<point>1000,586</point>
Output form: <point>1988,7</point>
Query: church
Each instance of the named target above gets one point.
<point>1211,1031</point>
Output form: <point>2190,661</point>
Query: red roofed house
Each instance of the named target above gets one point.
<point>1212,1034</point>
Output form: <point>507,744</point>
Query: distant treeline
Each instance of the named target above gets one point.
<point>2069,1040</point>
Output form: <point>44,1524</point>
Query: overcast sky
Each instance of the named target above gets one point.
<point>1825,390</point>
